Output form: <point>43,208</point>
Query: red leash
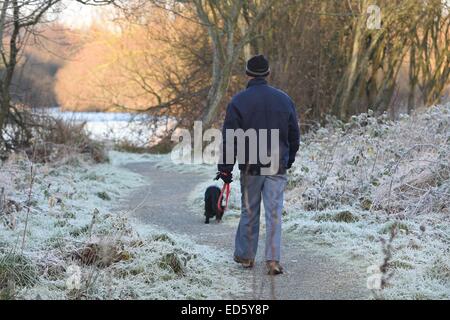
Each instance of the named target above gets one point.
<point>226,188</point>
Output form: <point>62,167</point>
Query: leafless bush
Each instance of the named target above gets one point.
<point>57,139</point>
<point>422,174</point>
<point>49,139</point>
<point>374,164</point>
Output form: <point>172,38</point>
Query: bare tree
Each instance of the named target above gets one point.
<point>432,52</point>
<point>18,19</point>
<point>232,29</point>
<point>229,36</point>
<point>414,29</point>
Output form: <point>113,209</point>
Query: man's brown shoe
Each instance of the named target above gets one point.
<point>274,268</point>
<point>246,263</point>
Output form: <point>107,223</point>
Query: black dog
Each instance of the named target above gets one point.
<point>212,196</point>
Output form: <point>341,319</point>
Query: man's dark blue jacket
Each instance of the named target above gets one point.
<point>261,106</point>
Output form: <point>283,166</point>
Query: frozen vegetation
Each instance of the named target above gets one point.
<point>79,245</point>
<point>357,185</point>
<point>373,192</point>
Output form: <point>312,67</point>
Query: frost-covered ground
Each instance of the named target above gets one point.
<point>353,186</point>
<point>78,245</point>
<point>356,184</point>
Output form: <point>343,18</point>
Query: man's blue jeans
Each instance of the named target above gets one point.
<point>271,190</point>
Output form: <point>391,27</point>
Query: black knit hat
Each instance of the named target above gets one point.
<point>258,66</point>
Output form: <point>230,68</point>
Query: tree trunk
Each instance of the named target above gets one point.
<point>217,93</point>
<point>3,116</point>
<point>10,68</point>
<point>222,23</point>
<point>412,80</point>
<point>343,97</point>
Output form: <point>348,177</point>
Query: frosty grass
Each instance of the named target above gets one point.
<point>74,208</point>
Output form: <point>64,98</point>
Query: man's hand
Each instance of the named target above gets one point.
<point>226,177</point>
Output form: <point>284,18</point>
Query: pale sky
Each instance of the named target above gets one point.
<point>76,15</point>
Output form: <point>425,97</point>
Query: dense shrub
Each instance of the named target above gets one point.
<point>377,165</point>
<point>57,139</point>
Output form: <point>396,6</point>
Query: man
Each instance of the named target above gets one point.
<point>268,111</point>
